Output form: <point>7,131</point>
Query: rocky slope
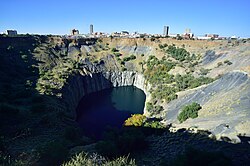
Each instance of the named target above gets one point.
<point>225,106</point>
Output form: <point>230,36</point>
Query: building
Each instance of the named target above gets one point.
<point>124,34</point>
<point>188,34</point>
<point>166,30</point>
<point>91,29</point>
<point>214,36</point>
<point>74,32</point>
<point>11,32</point>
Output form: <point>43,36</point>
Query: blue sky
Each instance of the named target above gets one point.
<point>224,17</point>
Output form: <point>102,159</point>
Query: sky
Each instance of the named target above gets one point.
<point>223,17</point>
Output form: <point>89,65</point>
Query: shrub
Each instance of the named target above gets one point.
<point>178,53</point>
<point>204,71</point>
<point>152,39</point>
<point>114,50</point>
<point>83,159</point>
<point>122,62</point>
<point>153,109</point>
<point>142,55</point>
<point>149,106</point>
<point>117,54</point>
<point>154,124</point>
<point>53,153</point>
<point>219,64</point>
<point>189,111</point>
<point>124,69</point>
<point>131,57</point>
<point>228,62</point>
<point>135,120</point>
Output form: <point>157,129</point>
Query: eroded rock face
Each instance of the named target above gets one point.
<point>79,85</point>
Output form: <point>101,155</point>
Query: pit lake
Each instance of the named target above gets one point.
<point>108,108</point>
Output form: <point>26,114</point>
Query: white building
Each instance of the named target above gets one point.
<point>11,32</point>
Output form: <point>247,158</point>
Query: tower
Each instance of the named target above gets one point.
<point>91,29</point>
<point>166,30</point>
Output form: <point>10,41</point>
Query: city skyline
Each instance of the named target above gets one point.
<point>225,18</point>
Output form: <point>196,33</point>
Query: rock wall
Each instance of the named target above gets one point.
<point>79,86</point>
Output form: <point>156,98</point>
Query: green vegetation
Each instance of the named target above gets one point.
<point>162,46</point>
<point>135,120</point>
<point>204,72</point>
<point>179,54</point>
<point>219,64</point>
<point>188,81</point>
<point>138,120</point>
<point>189,111</point>
<point>83,159</point>
<point>114,50</point>
<point>166,85</point>
<point>117,54</point>
<point>153,109</point>
<point>228,62</point>
<point>130,58</point>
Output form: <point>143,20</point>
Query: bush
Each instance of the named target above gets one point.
<point>131,57</point>
<point>189,111</point>
<point>219,64</point>
<point>228,62</point>
<point>204,71</point>
<point>153,109</point>
<point>124,69</point>
<point>135,120</point>
<point>114,50</point>
<point>83,159</point>
<point>53,153</point>
<point>117,54</point>
<point>179,54</point>
<point>154,124</point>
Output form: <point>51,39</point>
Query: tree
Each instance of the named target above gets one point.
<point>189,111</point>
<point>135,120</point>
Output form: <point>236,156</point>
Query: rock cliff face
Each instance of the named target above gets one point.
<point>79,85</point>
